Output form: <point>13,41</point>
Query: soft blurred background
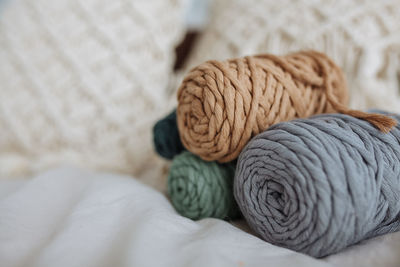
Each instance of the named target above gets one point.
<point>82,82</point>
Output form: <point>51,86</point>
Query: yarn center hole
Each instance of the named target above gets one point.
<point>276,197</point>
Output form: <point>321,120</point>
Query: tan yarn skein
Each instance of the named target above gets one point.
<point>222,104</point>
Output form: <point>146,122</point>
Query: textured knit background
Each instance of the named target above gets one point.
<point>361,36</point>
<point>83,81</point>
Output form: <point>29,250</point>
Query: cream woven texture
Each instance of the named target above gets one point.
<point>362,37</point>
<point>83,81</point>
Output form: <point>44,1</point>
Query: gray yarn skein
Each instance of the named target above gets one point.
<point>321,184</point>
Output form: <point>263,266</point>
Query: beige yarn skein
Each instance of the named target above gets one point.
<point>223,104</point>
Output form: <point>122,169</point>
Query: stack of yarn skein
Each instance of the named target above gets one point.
<point>197,188</point>
<point>272,138</point>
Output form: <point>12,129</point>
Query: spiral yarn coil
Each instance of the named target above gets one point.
<point>318,185</point>
<point>200,189</point>
<point>221,105</point>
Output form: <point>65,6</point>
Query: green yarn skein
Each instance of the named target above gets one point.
<point>200,189</point>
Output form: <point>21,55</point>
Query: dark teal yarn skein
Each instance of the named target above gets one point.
<point>200,189</point>
<point>166,138</point>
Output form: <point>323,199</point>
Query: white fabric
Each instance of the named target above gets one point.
<point>82,82</point>
<point>362,36</point>
<point>69,217</point>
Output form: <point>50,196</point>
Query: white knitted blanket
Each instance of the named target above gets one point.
<point>362,36</point>
<point>82,82</point>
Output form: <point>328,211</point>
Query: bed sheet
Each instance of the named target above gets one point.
<point>73,217</point>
